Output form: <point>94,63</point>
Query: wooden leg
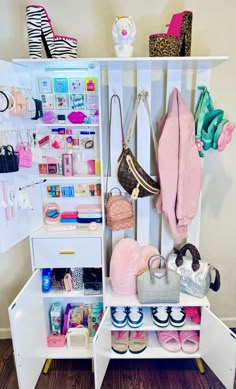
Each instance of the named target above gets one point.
<point>92,365</point>
<point>47,366</point>
<point>200,365</point>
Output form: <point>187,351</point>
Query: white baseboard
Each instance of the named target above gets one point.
<point>5,333</point>
<point>229,321</point>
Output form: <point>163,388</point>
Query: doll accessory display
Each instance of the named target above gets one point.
<point>52,213</point>
<point>177,41</point>
<point>40,31</point>
<point>123,32</point>
<point>212,129</point>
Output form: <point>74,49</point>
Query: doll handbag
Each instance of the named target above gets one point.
<point>8,159</point>
<point>196,275</point>
<point>131,175</point>
<point>158,285</point>
<point>24,152</point>
<point>119,212</point>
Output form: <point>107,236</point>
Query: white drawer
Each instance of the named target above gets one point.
<point>67,252</point>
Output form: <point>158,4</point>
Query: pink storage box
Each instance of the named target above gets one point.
<point>56,341</point>
<point>89,208</point>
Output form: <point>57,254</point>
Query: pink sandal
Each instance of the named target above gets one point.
<point>189,341</point>
<point>169,340</point>
<point>120,341</point>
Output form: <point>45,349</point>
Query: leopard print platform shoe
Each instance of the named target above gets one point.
<point>177,41</point>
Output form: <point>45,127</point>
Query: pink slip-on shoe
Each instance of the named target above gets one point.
<point>193,313</point>
<point>189,341</point>
<point>169,340</point>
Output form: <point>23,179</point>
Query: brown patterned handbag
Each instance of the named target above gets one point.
<point>131,175</point>
<point>119,210</point>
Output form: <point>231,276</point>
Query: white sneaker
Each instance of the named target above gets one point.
<point>135,316</point>
<point>160,316</point>
<point>119,316</point>
<point>177,316</point>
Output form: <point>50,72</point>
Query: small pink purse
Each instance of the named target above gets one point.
<point>23,150</point>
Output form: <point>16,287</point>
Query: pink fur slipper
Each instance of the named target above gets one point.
<point>169,340</point>
<point>189,341</point>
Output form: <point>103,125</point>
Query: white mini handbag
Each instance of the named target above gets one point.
<point>196,275</point>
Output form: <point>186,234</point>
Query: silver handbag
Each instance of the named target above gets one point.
<point>196,275</point>
<point>159,285</point>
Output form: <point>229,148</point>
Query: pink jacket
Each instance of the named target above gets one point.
<point>180,168</point>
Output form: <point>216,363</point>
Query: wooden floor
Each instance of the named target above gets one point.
<point>126,374</point>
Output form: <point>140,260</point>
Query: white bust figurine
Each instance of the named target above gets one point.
<point>124,32</point>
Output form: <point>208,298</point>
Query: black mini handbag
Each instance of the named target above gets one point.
<point>8,159</point>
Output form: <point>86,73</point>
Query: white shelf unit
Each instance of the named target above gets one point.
<point>158,76</point>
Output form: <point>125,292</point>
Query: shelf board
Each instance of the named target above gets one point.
<point>69,353</point>
<point>154,351</point>
<point>62,125</point>
<point>203,62</point>
<point>80,232</point>
<point>55,177</point>
<point>112,299</point>
<point>53,293</point>
<point>148,324</point>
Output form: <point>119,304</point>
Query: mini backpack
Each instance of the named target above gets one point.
<point>119,212</point>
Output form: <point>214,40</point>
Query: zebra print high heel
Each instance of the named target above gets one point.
<point>40,31</point>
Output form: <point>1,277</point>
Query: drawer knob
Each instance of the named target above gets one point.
<point>67,252</point>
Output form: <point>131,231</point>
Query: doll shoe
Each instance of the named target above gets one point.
<point>225,136</point>
<point>119,316</point>
<point>177,41</point>
<point>160,316</point>
<point>189,341</point>
<point>120,341</point>
<point>193,313</point>
<point>135,316</point>
<point>138,341</point>
<point>177,316</point>
<point>40,31</point>
<point>169,340</point>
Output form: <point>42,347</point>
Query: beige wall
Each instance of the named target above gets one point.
<point>91,22</point>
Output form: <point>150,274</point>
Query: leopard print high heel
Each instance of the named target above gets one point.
<point>177,41</point>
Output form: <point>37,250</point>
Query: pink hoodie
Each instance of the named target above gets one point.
<point>180,168</point>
